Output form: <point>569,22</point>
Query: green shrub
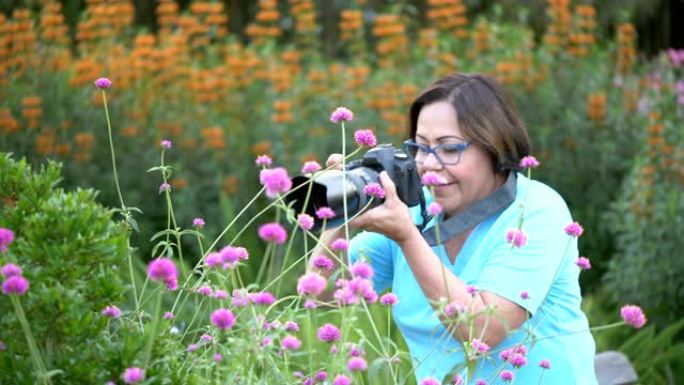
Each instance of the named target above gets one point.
<point>72,253</point>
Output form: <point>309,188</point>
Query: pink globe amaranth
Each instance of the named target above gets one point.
<point>633,315</point>
<point>529,162</point>
<point>15,284</point>
<point>340,244</point>
<point>325,213</point>
<point>375,190</point>
<point>574,229</point>
<point>341,114</point>
<point>263,160</point>
<point>111,311</point>
<point>431,178</point>
<point>434,209</point>
<point>165,144</point>
<point>273,232</point>
<point>516,237</point>
<point>103,83</point>
<point>262,298</point>
<point>329,333</point>
<point>430,381</point>
<point>583,263</point>
<point>545,364</point>
<point>305,222</point>
<point>223,319</point>
<point>198,222</point>
<point>133,375</point>
<point>290,343</point>
<point>276,180</point>
<point>341,379</point>
<point>389,299</point>
<point>365,138</point>
<point>507,375</point>
<point>357,364</point>
<point>163,269</point>
<point>361,269</point>
<point>310,166</point>
<point>322,262</point>
<point>6,238</point>
<point>311,284</point>
<point>10,270</point>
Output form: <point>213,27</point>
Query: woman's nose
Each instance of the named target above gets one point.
<point>431,162</point>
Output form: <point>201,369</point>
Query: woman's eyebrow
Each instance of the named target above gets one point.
<point>441,138</point>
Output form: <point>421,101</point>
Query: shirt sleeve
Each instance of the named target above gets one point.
<point>537,265</point>
<point>379,251</point>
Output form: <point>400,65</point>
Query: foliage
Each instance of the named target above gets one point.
<point>72,253</point>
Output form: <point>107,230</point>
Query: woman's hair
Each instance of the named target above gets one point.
<point>485,116</point>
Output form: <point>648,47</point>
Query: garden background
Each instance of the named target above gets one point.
<point>229,81</point>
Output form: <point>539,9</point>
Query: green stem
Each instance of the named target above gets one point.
<point>155,322</point>
<point>33,348</point>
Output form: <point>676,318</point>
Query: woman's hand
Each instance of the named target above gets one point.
<point>391,219</point>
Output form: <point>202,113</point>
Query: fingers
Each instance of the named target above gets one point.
<point>388,185</point>
<point>334,160</point>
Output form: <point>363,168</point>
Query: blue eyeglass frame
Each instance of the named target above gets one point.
<point>433,150</point>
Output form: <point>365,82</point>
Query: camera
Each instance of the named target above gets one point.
<point>327,188</point>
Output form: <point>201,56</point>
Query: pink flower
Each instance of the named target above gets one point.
<point>529,162</point>
<point>545,364</point>
<point>15,284</point>
<point>454,309</point>
<point>305,221</point>
<point>341,114</point>
<point>322,262</point>
<point>518,360</point>
<point>310,304</point>
<point>311,284</point>
<point>213,259</point>
<point>357,364</point>
<point>292,326</point>
<point>10,270</point>
<point>365,138</point>
<point>310,166</point>
<point>524,295</point>
<point>507,375</point>
<point>361,269</point>
<point>262,298</point>
<point>263,160</point>
<point>133,375</point>
<point>6,238</point>
<point>168,315</point>
<point>375,190</point>
<point>163,269</point>
<point>431,178</point>
<point>341,379</point>
<point>340,244</point>
<point>206,338</point>
<point>217,357</point>
<point>220,294</point>
<point>223,319</point>
<point>434,209</point>
<point>633,316</point>
<point>481,382</point>
<point>389,299</point>
<point>240,298</point>
<point>111,311</point>
<point>164,187</point>
<point>472,290</point>
<point>198,222</point>
<point>321,376</point>
<point>276,181</point>
<point>329,333</point>
<point>273,232</point>
<point>574,230</point>
<point>325,213</point>
<point>205,290</point>
<point>103,83</point>
<point>479,346</point>
<point>430,381</point>
<point>232,254</point>
<point>290,343</point>
<point>165,144</point>
<point>583,263</point>
<point>517,238</point>
<point>192,348</point>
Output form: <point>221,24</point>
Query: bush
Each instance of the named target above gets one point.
<point>72,254</point>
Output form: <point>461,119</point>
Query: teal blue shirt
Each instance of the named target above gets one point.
<point>544,268</point>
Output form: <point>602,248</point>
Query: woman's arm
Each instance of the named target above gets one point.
<point>393,220</point>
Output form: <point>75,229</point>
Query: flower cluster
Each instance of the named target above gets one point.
<point>163,269</point>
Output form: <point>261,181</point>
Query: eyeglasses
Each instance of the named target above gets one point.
<point>448,154</point>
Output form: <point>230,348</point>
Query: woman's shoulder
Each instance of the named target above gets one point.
<point>537,196</point>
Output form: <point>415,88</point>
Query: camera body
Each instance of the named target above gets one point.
<point>332,187</point>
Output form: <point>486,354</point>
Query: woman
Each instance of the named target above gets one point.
<point>516,293</point>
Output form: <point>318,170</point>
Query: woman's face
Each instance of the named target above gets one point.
<point>468,181</point>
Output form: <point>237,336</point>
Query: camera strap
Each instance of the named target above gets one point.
<point>476,213</point>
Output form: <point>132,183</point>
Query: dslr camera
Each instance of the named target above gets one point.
<point>327,187</point>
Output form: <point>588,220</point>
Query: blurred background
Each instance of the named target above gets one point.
<point>600,85</point>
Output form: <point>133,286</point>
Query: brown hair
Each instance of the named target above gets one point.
<point>485,116</point>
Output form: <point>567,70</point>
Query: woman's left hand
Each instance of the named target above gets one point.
<point>392,218</point>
